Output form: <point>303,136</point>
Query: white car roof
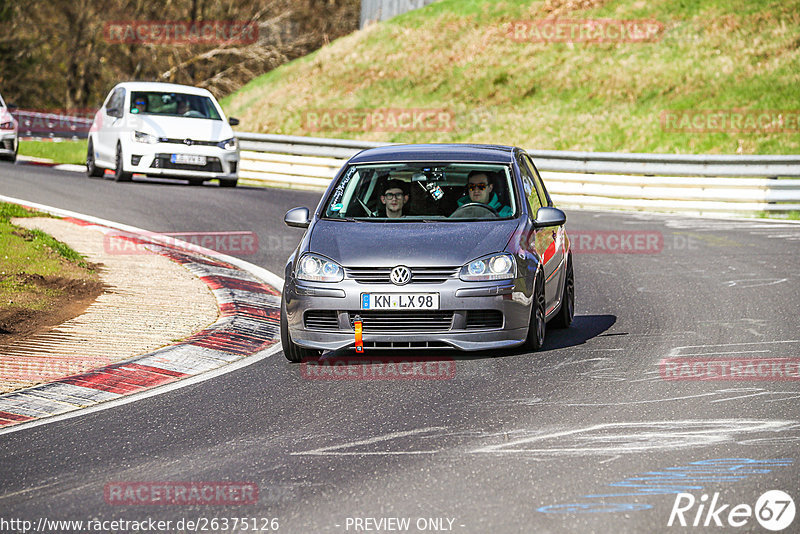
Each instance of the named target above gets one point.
<point>164,87</point>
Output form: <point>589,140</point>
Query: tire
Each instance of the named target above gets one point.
<point>293,353</point>
<point>228,183</point>
<point>567,311</point>
<point>537,326</point>
<point>119,174</point>
<point>92,171</point>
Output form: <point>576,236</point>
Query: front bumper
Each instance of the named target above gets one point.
<point>333,307</point>
<point>8,142</point>
<point>155,160</point>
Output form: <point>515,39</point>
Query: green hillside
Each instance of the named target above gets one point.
<point>459,56</point>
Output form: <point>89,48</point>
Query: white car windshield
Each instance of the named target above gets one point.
<point>413,192</point>
<point>173,104</point>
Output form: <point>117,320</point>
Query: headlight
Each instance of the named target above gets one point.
<point>229,144</point>
<point>318,269</point>
<point>494,267</point>
<point>141,137</point>
<point>7,125</point>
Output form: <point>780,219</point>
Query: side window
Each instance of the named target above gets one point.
<point>537,180</point>
<point>528,181</point>
<point>115,103</point>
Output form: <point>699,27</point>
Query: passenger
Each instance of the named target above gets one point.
<point>479,189</point>
<point>394,197</point>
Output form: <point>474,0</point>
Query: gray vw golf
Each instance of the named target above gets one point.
<point>428,246</point>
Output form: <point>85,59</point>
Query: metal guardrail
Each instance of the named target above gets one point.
<point>661,182</point>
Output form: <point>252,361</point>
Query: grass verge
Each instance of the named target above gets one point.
<point>59,151</point>
<point>39,276</point>
<point>459,56</point>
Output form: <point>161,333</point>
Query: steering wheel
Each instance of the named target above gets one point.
<point>473,206</point>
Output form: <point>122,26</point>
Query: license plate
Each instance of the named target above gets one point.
<point>188,159</point>
<point>400,301</point>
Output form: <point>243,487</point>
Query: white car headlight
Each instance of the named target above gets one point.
<point>142,137</point>
<point>315,268</point>
<point>229,144</point>
<point>494,267</point>
<point>7,125</point>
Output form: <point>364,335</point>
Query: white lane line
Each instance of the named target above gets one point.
<point>259,272</point>
<point>640,437</point>
<point>676,351</point>
<point>626,403</point>
<point>335,450</point>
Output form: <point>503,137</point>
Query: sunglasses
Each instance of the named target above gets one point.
<point>479,187</point>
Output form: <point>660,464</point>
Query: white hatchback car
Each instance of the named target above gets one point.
<point>9,138</point>
<point>166,130</point>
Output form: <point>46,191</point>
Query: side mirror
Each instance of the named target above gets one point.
<point>233,121</point>
<point>547,216</point>
<point>113,112</point>
<point>297,218</point>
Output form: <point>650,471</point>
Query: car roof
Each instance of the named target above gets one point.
<point>164,87</point>
<point>437,152</point>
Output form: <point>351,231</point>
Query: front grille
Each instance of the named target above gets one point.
<point>484,320</point>
<point>162,161</point>
<point>419,275</point>
<point>389,322</point>
<point>321,320</point>
<point>181,142</point>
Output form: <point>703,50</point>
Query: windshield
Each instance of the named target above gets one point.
<point>173,105</point>
<point>411,192</point>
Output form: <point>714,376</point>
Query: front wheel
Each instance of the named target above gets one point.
<point>294,353</point>
<point>228,183</point>
<point>119,174</point>
<point>92,170</point>
<point>536,328</point>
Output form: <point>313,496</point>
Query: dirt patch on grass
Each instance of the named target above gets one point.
<point>65,298</point>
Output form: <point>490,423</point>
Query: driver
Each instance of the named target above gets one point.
<point>139,105</point>
<point>479,189</point>
<point>394,197</point>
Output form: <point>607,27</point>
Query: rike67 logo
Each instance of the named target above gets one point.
<point>774,511</point>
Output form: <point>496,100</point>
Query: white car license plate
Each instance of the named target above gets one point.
<point>188,159</point>
<point>400,301</point>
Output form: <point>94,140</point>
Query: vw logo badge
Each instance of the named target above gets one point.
<point>401,275</point>
<point>187,142</point>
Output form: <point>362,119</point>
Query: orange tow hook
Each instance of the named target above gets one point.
<point>359,327</point>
